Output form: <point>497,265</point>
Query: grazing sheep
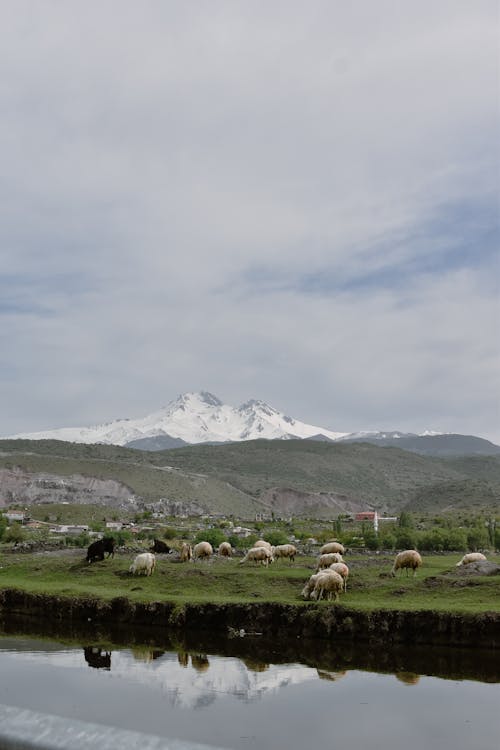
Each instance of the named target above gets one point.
<point>471,557</point>
<point>143,563</point>
<point>225,549</point>
<point>332,547</point>
<point>311,583</point>
<point>202,550</point>
<point>341,569</point>
<point>186,552</point>
<point>262,543</point>
<point>329,583</point>
<point>259,555</point>
<point>324,561</point>
<point>407,559</point>
<point>285,550</point>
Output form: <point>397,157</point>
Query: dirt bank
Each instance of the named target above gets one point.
<point>272,621</point>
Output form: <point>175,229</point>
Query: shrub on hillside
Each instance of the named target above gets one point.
<point>276,537</point>
<point>170,533</point>
<point>242,542</point>
<point>82,540</point>
<point>371,539</point>
<point>213,536</point>
<point>122,537</point>
<point>477,538</point>
<point>406,539</point>
<point>15,534</point>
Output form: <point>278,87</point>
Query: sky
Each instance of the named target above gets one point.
<point>295,202</point>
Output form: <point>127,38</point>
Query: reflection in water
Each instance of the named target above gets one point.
<point>97,658</point>
<point>323,674</point>
<point>200,662</point>
<point>145,654</point>
<point>248,700</point>
<point>409,678</point>
<point>255,666</point>
<point>258,653</point>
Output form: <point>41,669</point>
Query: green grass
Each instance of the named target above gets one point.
<point>436,587</point>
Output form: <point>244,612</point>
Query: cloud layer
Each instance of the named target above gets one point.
<point>267,200</point>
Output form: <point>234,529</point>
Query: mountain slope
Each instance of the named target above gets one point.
<point>291,477</point>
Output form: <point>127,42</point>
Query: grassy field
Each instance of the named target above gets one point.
<point>437,586</point>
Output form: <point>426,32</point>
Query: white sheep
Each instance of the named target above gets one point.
<point>471,557</point>
<point>225,549</point>
<point>332,547</point>
<point>407,559</point>
<point>143,563</point>
<point>285,550</point>
<point>341,569</point>
<point>330,583</point>
<point>262,543</point>
<point>202,550</point>
<point>311,583</point>
<point>324,561</point>
<point>259,555</point>
<point>186,552</point>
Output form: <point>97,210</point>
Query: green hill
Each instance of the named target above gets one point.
<point>234,478</point>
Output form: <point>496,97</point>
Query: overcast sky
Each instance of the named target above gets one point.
<point>291,201</point>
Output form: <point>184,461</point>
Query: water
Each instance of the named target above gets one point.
<point>258,696</point>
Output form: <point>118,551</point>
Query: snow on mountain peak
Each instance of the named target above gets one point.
<point>195,417</point>
<point>200,417</point>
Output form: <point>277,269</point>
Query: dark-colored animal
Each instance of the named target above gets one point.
<point>97,549</point>
<point>160,547</point>
<point>97,658</point>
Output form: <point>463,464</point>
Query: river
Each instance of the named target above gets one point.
<point>246,693</point>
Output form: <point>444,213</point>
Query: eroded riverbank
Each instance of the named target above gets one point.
<point>272,621</point>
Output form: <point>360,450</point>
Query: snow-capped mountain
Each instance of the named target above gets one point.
<point>194,418</point>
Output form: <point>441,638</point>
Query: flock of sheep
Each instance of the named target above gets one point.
<point>329,580</point>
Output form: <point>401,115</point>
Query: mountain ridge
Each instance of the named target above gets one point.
<point>201,417</point>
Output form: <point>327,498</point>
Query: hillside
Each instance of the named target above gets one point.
<point>295,477</point>
<point>443,446</point>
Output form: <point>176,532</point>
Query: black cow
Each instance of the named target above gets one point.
<point>159,546</point>
<point>97,549</point>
